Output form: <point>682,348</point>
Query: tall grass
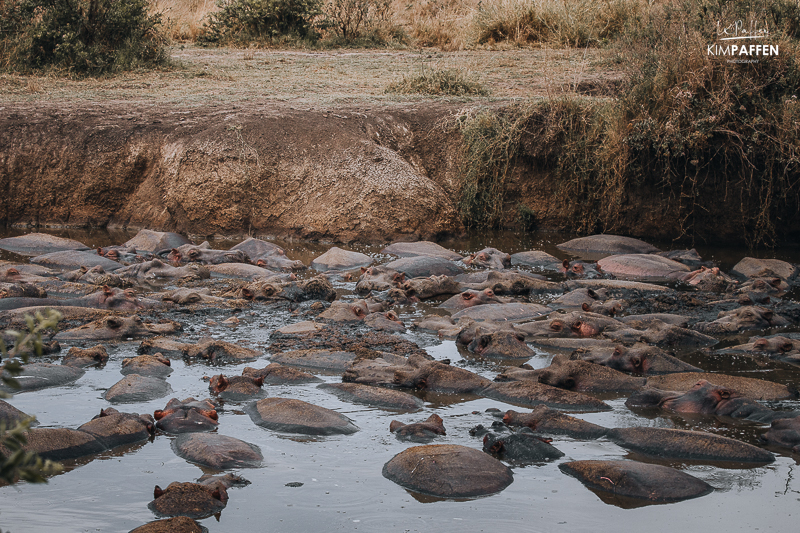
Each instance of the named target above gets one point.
<point>709,137</point>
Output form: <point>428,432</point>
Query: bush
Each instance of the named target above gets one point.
<point>79,36</point>
<point>245,21</point>
<point>439,82</point>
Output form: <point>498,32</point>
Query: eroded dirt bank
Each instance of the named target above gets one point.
<point>351,174</point>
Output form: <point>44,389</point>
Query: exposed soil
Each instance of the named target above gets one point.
<point>283,143</point>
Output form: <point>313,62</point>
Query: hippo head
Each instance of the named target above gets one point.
<point>702,398</point>
<point>773,345</point>
<point>175,256</point>
<point>584,329</point>
<point>503,344</point>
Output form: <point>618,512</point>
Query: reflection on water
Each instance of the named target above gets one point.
<point>342,486</point>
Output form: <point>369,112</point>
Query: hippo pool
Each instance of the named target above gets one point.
<point>335,483</point>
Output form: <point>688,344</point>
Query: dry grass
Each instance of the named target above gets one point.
<point>210,75</point>
<point>183,18</point>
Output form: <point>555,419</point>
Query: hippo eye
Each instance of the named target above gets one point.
<point>619,350</point>
<point>467,296</point>
<point>577,325</point>
<point>248,294</point>
<point>489,292</point>
<point>786,347</point>
<point>483,257</point>
<point>586,307</point>
<point>114,323</point>
<point>520,337</point>
<point>768,315</point>
<point>775,282</point>
<point>556,326</point>
<point>577,268</point>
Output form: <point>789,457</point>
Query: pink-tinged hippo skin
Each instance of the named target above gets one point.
<point>709,279</point>
<point>643,266</point>
<point>470,298</point>
<point>203,254</point>
<point>424,248</point>
<point>566,325</point>
<point>668,443</point>
<point>424,266</point>
<point>783,433</point>
<point>72,259</point>
<point>536,260</point>
<point>419,431</point>
<point>707,399</point>
<point>778,348</point>
<point>187,416</point>
<point>630,479</point>
<point>488,258</point>
<point>296,416</point>
<point>435,376</point>
<point>431,286</point>
<point>750,267</point>
<point>155,365</point>
<point>448,471</point>
<point>522,447</point>
<point>603,244</point>
<point>338,259</point>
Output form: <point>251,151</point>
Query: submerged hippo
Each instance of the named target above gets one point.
<point>187,416</point>
<point>419,431</point>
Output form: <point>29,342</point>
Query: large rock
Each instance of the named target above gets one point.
<point>448,471</point>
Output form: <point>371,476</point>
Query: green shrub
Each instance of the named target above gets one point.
<point>245,21</point>
<point>79,36</point>
<point>439,82</point>
<point>360,23</point>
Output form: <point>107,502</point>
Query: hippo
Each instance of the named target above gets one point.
<point>424,266</point>
<point>277,374</point>
<point>203,254</point>
<point>742,319</point>
<point>643,266</point>
<point>521,447</point>
<point>375,396</point>
<point>35,376</point>
<point>338,259</point>
<point>192,296</point>
<point>509,283</point>
<point>543,419</point>
<point>755,389</point>
<point>217,451</point>
<point>580,376</point>
<point>151,241</point>
<point>385,322</point>
<point>502,312</point>
<point>155,365</point>
<point>667,443</point>
<point>217,352</point>
<point>631,479</point>
<point>582,270</point>
<point>192,500</point>
<point>374,368</point>
<point>709,279</point>
<point>296,416</point>
<point>606,245</point>
<point>378,278</point>
<point>341,311</point>
<point>529,393</point>
<point>73,259</point>
<point>639,359</point>
<point>708,399</point>
<point>470,298</point>
<point>113,428</point>
<point>117,328</point>
<point>750,267</point>
<point>424,288</point>
<point>317,288</point>
<point>186,416</point>
<point>436,376</point>
<point>586,299</point>
<point>178,524</point>
<point>488,258</point>
<point>784,432</point>
<point>34,244</point>
<point>255,247</point>
<point>536,260</point>
<point>322,359</point>
<point>240,270</point>
<point>277,260</point>
<point>236,387</point>
<point>419,431</point>
<point>10,415</point>
<point>573,324</point>
<point>157,270</point>
<point>423,248</point>
<point>662,335</point>
<point>448,471</point>
<point>135,388</point>
<point>689,258</point>
<point>59,444</point>
<point>777,347</point>
<point>494,341</point>
<point>21,290</point>
<point>89,357</point>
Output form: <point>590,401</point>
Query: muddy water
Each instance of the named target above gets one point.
<point>342,486</point>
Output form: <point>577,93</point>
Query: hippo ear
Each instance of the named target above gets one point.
<point>158,414</point>
<point>247,293</point>
<point>157,492</point>
<point>222,383</point>
<point>113,322</point>
<point>394,425</point>
<point>636,361</point>
<point>483,257</point>
<point>107,290</point>
<point>99,251</point>
<point>619,349</point>
<point>497,447</point>
<point>569,383</point>
<point>259,381</point>
<point>724,393</point>
<point>586,307</point>
<point>488,292</point>
<point>591,294</point>
<point>760,344</point>
<point>467,296</point>
<point>565,264</point>
<point>556,325</point>
<point>768,314</point>
<point>216,494</point>
<point>103,413</point>
<point>363,270</point>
